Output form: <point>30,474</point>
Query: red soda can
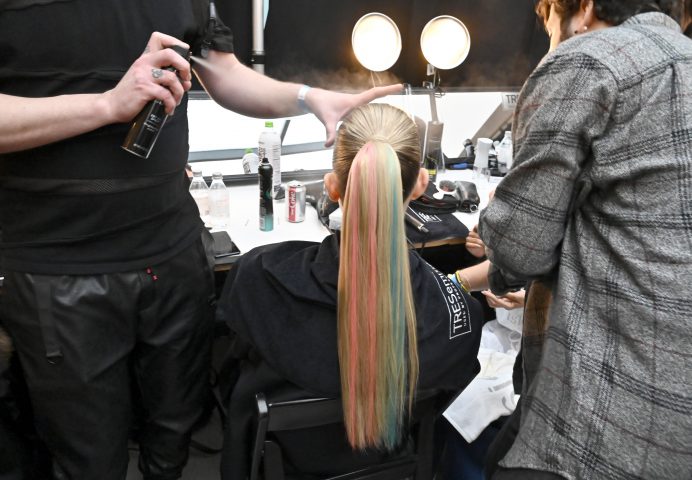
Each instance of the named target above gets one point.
<point>296,202</point>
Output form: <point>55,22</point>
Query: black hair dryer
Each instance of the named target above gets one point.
<point>465,192</point>
<point>468,197</point>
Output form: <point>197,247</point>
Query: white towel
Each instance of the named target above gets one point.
<point>491,394</point>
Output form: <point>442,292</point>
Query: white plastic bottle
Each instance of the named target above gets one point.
<point>218,202</point>
<point>270,148</point>
<point>250,161</point>
<point>480,165</point>
<point>504,151</point>
<point>200,192</point>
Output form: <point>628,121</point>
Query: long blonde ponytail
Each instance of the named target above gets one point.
<point>378,354</point>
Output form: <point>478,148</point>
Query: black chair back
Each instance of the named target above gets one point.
<point>294,415</point>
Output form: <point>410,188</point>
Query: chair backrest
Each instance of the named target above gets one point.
<point>295,415</point>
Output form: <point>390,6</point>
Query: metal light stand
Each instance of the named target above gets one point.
<point>433,135</point>
<point>258,53</point>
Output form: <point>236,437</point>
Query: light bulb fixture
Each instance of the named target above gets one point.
<point>445,42</point>
<point>376,41</point>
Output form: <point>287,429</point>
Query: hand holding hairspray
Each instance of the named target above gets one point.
<point>148,123</point>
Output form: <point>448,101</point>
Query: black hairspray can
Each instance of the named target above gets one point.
<point>266,205</point>
<point>147,125</point>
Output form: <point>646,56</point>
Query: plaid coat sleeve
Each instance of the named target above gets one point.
<point>565,104</point>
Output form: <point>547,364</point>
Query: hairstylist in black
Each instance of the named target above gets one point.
<point>106,268</point>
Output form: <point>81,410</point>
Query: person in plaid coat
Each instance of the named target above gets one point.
<point>597,214</point>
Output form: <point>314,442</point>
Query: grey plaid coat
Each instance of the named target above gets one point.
<point>597,211</point>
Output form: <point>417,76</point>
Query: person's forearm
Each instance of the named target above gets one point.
<point>241,89</point>
<point>32,122</point>
<point>238,88</point>
<point>475,278</point>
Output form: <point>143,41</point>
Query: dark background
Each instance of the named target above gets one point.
<point>309,41</point>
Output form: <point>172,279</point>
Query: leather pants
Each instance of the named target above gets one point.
<point>85,341</point>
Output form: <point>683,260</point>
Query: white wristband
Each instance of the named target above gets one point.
<point>302,104</point>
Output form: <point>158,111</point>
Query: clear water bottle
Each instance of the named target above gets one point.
<point>250,161</point>
<point>270,148</point>
<point>218,202</point>
<point>504,151</point>
<point>200,192</point>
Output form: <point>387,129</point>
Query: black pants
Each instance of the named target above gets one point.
<point>22,455</point>
<point>80,337</point>
<point>502,442</point>
<point>499,448</point>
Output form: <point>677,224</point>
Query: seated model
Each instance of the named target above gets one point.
<point>359,313</point>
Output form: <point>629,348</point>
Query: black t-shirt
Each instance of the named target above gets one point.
<point>280,303</point>
<point>84,205</point>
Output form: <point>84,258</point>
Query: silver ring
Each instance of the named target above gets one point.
<point>156,72</point>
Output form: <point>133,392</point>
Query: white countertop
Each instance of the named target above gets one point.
<point>244,214</point>
<point>244,221</point>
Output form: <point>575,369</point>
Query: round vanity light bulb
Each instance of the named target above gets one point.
<point>376,41</point>
<point>445,42</point>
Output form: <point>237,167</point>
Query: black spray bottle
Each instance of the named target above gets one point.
<point>147,125</point>
<point>266,205</point>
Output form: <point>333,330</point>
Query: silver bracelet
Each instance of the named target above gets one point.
<point>302,104</point>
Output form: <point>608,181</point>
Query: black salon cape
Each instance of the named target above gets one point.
<point>280,304</point>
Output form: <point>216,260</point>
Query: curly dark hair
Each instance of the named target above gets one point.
<point>611,11</point>
<point>564,8</point>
